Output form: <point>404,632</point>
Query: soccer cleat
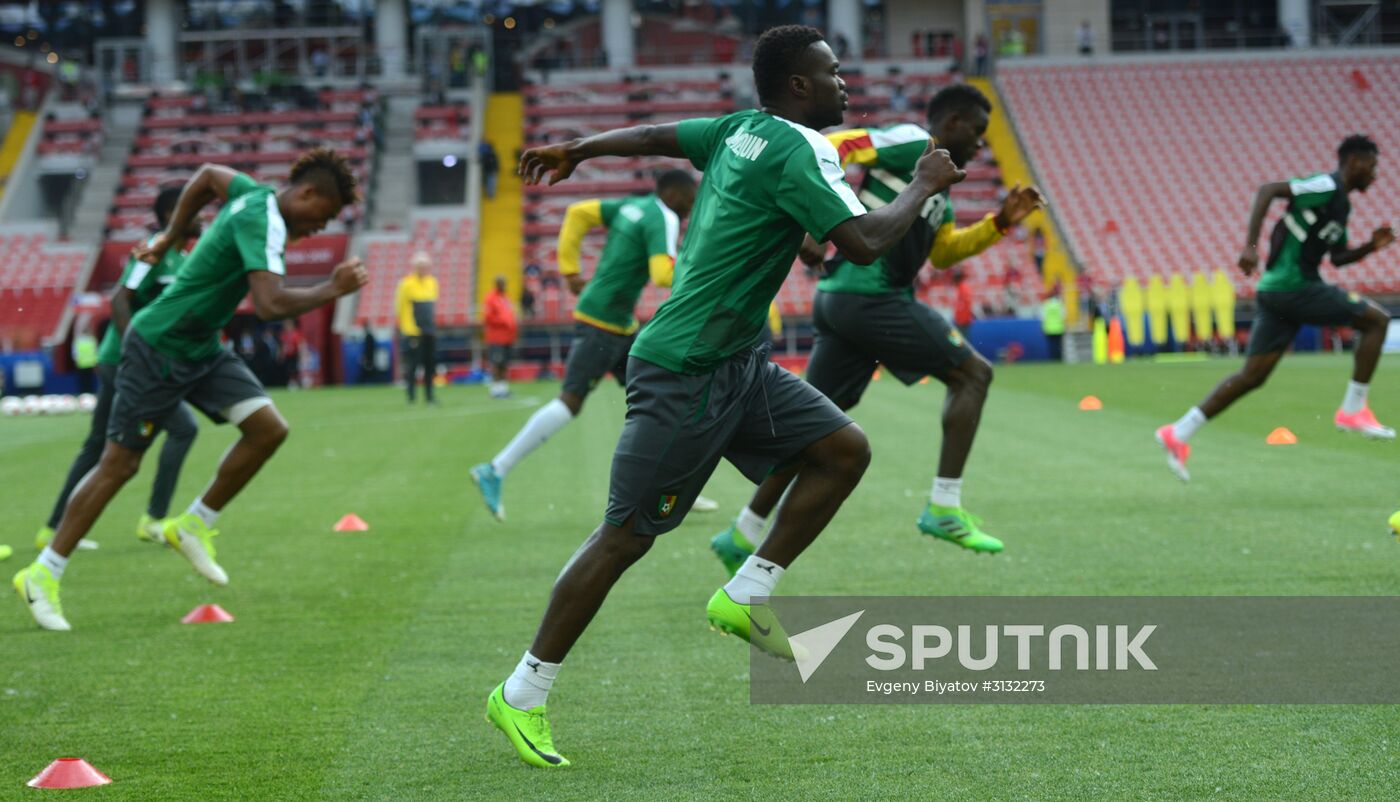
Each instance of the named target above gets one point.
<point>485,478</point>
<point>151,530</point>
<point>39,591</point>
<point>703,504</point>
<point>528,730</point>
<point>1177,452</point>
<point>45,537</point>
<point>1364,423</point>
<point>5,552</point>
<point>956,525</point>
<point>188,535</point>
<point>755,623</point>
<point>728,550</point>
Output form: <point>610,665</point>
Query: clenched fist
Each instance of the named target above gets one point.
<point>349,276</point>
<point>936,166</point>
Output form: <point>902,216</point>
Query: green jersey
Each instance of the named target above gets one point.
<point>767,180</point>
<point>889,155</point>
<point>146,283</point>
<point>248,234</point>
<point>1315,223</point>
<point>639,229</point>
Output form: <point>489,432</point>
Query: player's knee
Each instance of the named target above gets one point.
<point>852,454</point>
<point>980,373</point>
<point>270,433</point>
<point>621,543</point>
<point>120,464</point>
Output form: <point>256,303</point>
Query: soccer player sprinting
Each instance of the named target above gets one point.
<point>641,245</point>
<point>868,316</point>
<point>171,354</point>
<point>1291,294</point>
<point>140,284</point>
<point>698,387</point>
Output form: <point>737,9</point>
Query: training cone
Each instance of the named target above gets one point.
<point>351,523</point>
<point>1090,403</point>
<point>1281,437</point>
<point>69,772</point>
<point>207,614</point>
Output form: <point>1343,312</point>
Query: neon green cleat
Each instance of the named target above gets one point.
<point>528,730</point>
<point>5,552</point>
<point>151,530</point>
<point>729,546</point>
<point>956,525</point>
<point>39,591</point>
<point>188,535</point>
<point>45,537</point>
<point>755,623</point>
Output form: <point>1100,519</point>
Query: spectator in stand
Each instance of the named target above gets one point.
<point>369,355</point>
<point>1052,323</point>
<point>899,102</point>
<point>1038,250</point>
<point>963,316</point>
<point>1084,37</point>
<point>983,50</point>
<point>415,302</point>
<point>292,342</point>
<point>501,332</point>
<point>490,167</point>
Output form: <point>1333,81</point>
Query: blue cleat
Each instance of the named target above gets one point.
<point>485,478</point>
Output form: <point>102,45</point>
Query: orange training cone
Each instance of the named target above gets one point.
<point>351,523</point>
<point>1089,403</point>
<point>207,614</point>
<point>1281,437</point>
<point>69,772</point>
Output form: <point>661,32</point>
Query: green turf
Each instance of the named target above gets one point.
<point>359,664</point>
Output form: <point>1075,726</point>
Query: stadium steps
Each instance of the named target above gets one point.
<point>90,218</point>
<point>396,178</point>
<point>502,219</point>
<point>1016,168</point>
<point>13,148</point>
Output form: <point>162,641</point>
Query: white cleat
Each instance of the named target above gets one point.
<point>189,536</point>
<point>39,591</point>
<point>703,504</point>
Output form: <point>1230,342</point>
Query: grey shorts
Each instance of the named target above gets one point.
<point>749,411</point>
<point>857,332</point>
<point>498,355</point>
<point>151,385</point>
<point>594,353</point>
<point>1280,315</point>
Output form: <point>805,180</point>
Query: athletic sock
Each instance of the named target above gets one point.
<point>755,578</point>
<point>946,492</point>
<point>53,561</point>
<point>1189,424</point>
<point>528,686</point>
<point>748,528</point>
<point>1355,399</point>
<point>541,426</point>
<point>204,512</point>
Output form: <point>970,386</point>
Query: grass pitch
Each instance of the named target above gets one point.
<point>359,664</point>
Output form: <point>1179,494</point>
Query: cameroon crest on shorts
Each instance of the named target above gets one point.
<point>666,505</point>
<point>147,429</point>
<point>955,337</point>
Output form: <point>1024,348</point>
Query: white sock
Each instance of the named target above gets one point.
<point>750,524</point>
<point>529,684</point>
<point>1355,399</point>
<point>204,512</point>
<point>53,561</point>
<point>755,578</point>
<point>1189,424</point>
<point>541,426</point>
<point>946,492</point>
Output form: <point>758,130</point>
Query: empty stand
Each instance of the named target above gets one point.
<point>451,241</point>
<point>36,280</point>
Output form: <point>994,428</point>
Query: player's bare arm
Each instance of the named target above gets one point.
<point>1380,238</point>
<point>209,183</point>
<point>863,239</point>
<point>272,301</point>
<point>559,161</point>
<point>1249,257</point>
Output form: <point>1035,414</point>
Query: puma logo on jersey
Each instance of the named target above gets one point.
<point>745,145</point>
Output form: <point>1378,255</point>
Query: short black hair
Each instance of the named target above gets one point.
<point>956,98</point>
<point>1357,144</point>
<point>165,203</point>
<point>329,172</point>
<point>778,55</point>
<point>679,179</point>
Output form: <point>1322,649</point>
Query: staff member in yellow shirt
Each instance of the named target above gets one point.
<point>416,303</point>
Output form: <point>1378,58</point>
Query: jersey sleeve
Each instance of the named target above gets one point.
<point>896,148</point>
<point>241,184</point>
<point>700,137</point>
<point>138,275</point>
<point>663,231</point>
<point>607,210</point>
<point>261,235</point>
<point>578,219</point>
<point>1313,191</point>
<point>813,188</point>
